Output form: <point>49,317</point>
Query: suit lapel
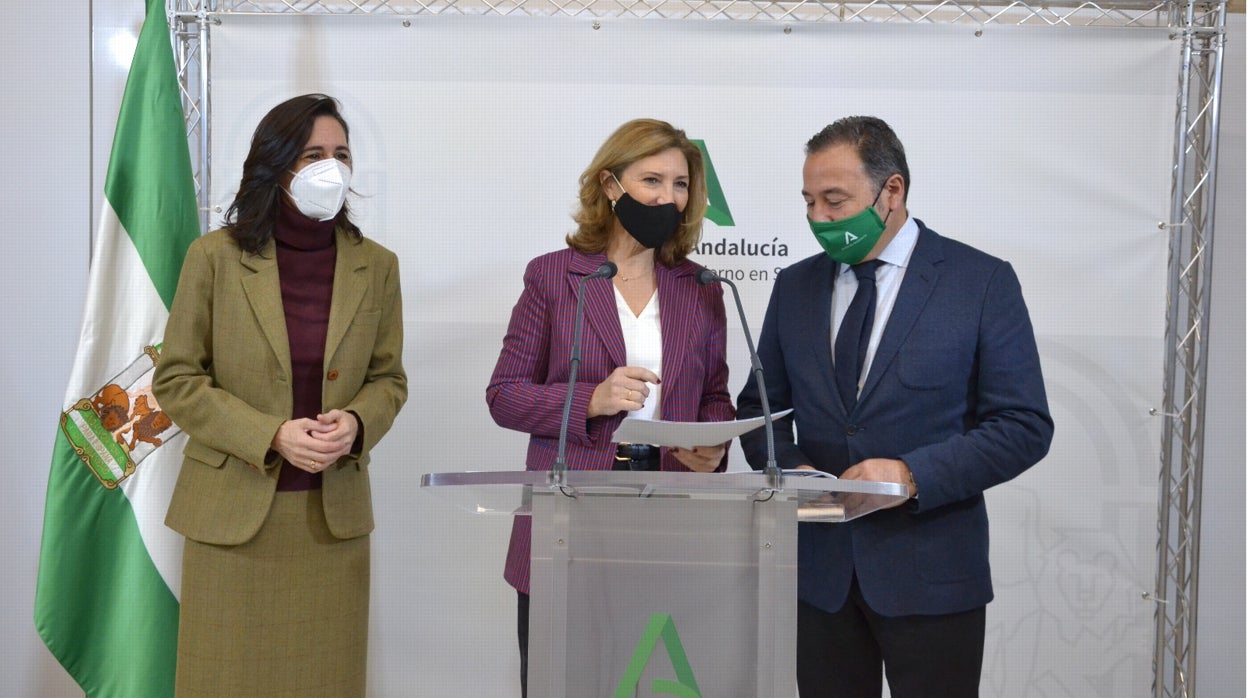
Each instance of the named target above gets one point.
<point>817,316</point>
<point>350,285</point>
<point>922,273</point>
<point>602,318</point>
<point>675,318</point>
<point>263,289</point>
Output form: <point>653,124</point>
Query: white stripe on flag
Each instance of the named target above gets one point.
<point>129,306</point>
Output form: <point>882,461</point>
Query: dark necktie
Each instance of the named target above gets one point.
<point>855,333</point>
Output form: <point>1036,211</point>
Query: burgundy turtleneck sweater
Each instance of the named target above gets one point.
<point>305,265</point>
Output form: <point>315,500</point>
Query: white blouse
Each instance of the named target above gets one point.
<point>643,344</point>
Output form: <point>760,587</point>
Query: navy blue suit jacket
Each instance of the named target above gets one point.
<point>954,390</point>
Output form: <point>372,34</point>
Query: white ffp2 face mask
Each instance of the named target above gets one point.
<point>319,189</point>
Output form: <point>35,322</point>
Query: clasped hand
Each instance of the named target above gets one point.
<point>315,444</point>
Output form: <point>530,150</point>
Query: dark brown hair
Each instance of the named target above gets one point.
<point>275,148</point>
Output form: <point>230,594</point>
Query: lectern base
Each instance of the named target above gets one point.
<point>662,595</point>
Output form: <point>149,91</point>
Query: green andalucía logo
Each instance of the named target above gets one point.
<point>685,685</point>
<point>717,206</point>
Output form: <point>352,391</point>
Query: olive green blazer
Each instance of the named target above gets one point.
<point>224,377</point>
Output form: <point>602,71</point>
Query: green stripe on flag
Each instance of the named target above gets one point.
<point>149,180</point>
<point>101,607</point>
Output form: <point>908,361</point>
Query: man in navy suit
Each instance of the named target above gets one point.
<point>941,390</point>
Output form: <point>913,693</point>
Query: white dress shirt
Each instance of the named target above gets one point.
<point>887,283</point>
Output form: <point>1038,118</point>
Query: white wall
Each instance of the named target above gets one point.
<point>1220,635</point>
<point>53,184</point>
<point>46,185</point>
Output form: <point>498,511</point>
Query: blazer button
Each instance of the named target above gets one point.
<point>332,375</point>
<point>851,429</point>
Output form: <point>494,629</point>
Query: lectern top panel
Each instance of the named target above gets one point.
<point>511,492</point>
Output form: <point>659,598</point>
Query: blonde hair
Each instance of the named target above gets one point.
<point>637,139</point>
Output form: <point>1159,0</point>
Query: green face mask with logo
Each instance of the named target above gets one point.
<point>850,240</point>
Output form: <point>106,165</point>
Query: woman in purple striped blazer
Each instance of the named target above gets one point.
<point>653,341</point>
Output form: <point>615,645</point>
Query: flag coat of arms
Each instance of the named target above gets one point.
<point>106,601</point>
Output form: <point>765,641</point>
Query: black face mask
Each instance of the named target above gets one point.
<point>650,225</point>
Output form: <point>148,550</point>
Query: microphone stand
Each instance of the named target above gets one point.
<point>775,478</point>
<point>559,471</point>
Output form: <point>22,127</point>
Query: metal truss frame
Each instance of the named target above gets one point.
<point>1200,26</point>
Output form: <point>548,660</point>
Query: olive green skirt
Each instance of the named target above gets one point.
<point>285,614</point>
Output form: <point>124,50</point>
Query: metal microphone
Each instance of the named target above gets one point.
<point>772,471</point>
<point>559,470</point>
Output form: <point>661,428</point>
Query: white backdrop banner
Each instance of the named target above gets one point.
<point>1048,147</point>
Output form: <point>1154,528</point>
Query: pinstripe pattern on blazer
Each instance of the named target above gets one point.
<point>224,377</point>
<point>529,385</point>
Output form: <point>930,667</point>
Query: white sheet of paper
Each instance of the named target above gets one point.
<point>685,434</point>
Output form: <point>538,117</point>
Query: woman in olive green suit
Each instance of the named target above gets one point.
<point>282,360</point>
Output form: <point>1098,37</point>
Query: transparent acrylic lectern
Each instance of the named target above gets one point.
<point>658,583</point>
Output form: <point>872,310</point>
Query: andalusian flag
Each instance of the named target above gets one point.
<point>106,603</point>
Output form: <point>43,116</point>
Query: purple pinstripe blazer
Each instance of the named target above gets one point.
<point>529,384</point>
